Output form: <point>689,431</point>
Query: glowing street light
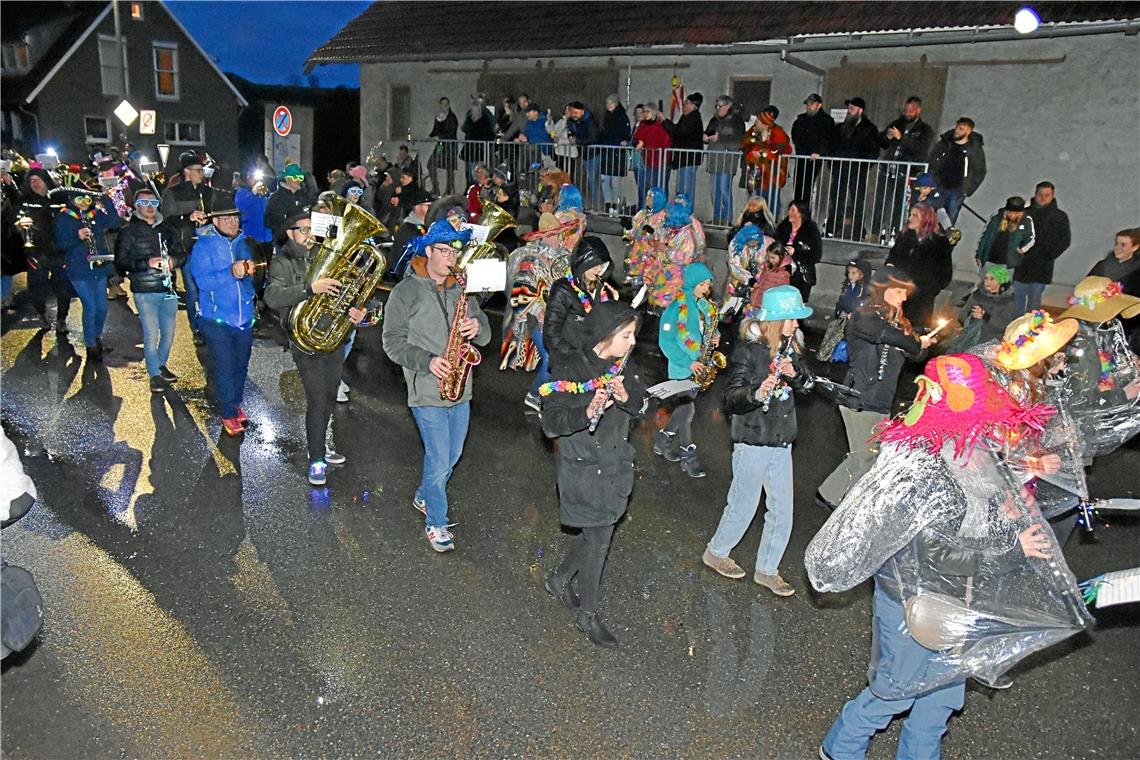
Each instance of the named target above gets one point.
<point>1026,20</point>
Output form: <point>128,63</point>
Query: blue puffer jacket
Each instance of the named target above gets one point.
<point>221,296</point>
<point>669,336</point>
<point>67,240</point>
<point>252,208</point>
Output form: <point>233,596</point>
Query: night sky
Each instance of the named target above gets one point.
<point>268,42</point>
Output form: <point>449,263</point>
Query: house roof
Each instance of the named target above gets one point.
<point>292,94</point>
<point>508,29</point>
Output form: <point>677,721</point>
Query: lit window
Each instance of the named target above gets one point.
<point>185,132</point>
<point>97,129</point>
<point>165,71</point>
<point>137,11</point>
<point>111,65</point>
<point>16,57</point>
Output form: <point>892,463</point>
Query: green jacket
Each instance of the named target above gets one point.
<point>1020,241</point>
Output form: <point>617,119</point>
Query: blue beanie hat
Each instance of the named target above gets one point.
<point>749,233</point>
<point>441,231</point>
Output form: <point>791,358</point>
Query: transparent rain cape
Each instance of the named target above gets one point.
<point>1100,365</point>
<point>942,539</point>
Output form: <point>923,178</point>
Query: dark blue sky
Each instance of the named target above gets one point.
<point>268,42</point>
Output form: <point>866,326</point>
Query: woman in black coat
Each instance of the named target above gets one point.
<point>925,254</point>
<point>803,243</point>
<point>614,166</point>
<point>595,468</point>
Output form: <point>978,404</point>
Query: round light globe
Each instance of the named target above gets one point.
<point>1026,21</point>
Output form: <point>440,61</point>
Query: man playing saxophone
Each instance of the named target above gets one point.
<point>423,335</point>
<point>320,370</point>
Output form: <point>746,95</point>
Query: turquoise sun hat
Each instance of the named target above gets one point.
<point>782,302</point>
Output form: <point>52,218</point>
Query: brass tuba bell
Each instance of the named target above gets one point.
<point>321,322</point>
<point>496,219</point>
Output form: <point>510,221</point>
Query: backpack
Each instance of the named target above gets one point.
<point>21,609</point>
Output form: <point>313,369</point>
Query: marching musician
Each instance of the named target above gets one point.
<point>419,327</point>
<point>143,254</point>
<point>764,368</point>
<point>590,409</point>
<point>223,266</point>
<point>682,337</point>
<point>46,265</point>
<point>680,243</point>
<point>81,233</point>
<point>320,370</point>
<point>183,209</point>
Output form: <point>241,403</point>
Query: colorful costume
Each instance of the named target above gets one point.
<point>684,243</point>
<point>640,238</point>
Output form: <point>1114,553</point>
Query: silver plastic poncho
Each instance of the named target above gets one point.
<point>942,537</point>
<point>531,270</point>
<point>1100,365</point>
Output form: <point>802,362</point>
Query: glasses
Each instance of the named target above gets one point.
<point>302,230</point>
<point>356,191</point>
<point>445,250</point>
<point>152,202</point>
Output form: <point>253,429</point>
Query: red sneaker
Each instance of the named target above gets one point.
<point>233,426</point>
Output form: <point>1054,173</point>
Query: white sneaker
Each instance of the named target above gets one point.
<point>342,393</point>
<point>333,457</point>
<point>440,538</point>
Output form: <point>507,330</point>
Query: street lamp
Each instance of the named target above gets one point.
<point>1026,20</point>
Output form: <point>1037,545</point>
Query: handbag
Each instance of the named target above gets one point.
<point>831,339</point>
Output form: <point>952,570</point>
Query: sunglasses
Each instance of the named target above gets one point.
<point>355,191</point>
<point>302,230</point>
<point>152,202</point>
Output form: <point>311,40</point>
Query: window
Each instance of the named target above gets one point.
<point>16,57</point>
<point>111,65</point>
<point>97,129</point>
<point>185,132</point>
<point>137,11</point>
<point>165,71</point>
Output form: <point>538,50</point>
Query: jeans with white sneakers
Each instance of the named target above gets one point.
<point>443,430</point>
<point>756,469</point>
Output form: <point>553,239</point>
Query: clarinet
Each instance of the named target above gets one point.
<point>167,276</point>
<point>597,417</point>
<point>786,352</point>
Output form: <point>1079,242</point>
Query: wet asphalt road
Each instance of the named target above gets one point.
<point>203,601</point>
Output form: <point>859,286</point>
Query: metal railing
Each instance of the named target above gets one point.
<point>853,200</point>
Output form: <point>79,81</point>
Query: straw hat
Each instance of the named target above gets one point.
<point>1099,299</point>
<point>1033,337</point>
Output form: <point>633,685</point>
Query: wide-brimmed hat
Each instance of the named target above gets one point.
<point>782,302</point>
<point>222,204</point>
<point>1099,299</point>
<point>296,216</point>
<point>958,400</point>
<point>1033,337</point>
<point>442,231</point>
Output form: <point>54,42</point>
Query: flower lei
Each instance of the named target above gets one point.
<point>570,386</point>
<point>1090,301</point>
<point>683,325</point>
<point>584,297</point>
<point>88,215</point>
<point>1037,323</point>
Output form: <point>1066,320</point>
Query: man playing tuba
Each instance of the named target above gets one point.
<point>424,335</point>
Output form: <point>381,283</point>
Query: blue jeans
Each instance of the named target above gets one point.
<point>157,312</point>
<point>191,296</point>
<point>5,286</point>
<point>443,429</point>
<point>722,199</point>
<point>1027,296</point>
<point>542,373</point>
<point>229,353</point>
<point>756,469</point>
<point>93,295</point>
<point>866,714</point>
<point>686,181</point>
<point>954,201</point>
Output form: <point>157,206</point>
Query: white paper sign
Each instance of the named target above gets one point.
<point>486,276</point>
<point>321,222</point>
<point>839,114</point>
<point>670,388</point>
<point>478,232</point>
<point>731,305</point>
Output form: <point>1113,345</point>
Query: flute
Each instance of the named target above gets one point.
<point>597,416</point>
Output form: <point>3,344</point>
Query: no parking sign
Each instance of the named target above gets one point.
<point>282,121</point>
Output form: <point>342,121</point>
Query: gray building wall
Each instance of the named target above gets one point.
<point>76,91</point>
<point>1066,110</point>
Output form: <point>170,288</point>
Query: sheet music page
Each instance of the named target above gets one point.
<point>321,222</point>
<point>478,232</point>
<point>486,276</point>
<point>1119,587</point>
<point>670,388</point>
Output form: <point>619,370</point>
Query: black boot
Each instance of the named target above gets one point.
<point>560,590</point>
<point>95,353</point>
<point>665,444</point>
<point>590,623</point>
<point>689,461</point>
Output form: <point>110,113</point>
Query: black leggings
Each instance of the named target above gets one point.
<point>320,374</point>
<point>587,557</point>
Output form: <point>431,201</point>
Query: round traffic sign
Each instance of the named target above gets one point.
<point>282,121</point>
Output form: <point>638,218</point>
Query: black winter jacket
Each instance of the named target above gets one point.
<point>178,203</point>
<point>859,140</point>
<point>748,367</point>
<point>283,204</point>
<point>39,209</point>
<point>808,247</point>
<point>13,259</point>
<point>975,159</point>
<point>813,134</point>
<point>873,343</point>
<point>687,133</point>
<point>595,470</point>
<point>914,145</point>
<point>929,262</point>
<point>729,133</point>
<point>1053,237</point>
<point>136,244</point>
<point>564,310</point>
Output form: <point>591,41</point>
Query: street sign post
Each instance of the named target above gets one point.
<point>282,121</point>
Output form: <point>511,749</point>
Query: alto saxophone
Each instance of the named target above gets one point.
<point>459,353</point>
<point>710,359</point>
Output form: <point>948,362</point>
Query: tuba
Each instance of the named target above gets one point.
<point>321,322</point>
<point>711,360</point>
<point>496,219</point>
<point>459,353</point>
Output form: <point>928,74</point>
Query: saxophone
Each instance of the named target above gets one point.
<point>459,353</point>
<point>711,360</point>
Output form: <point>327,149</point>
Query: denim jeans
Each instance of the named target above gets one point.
<point>157,313</point>
<point>229,353</point>
<point>542,373</point>
<point>722,199</point>
<point>191,296</point>
<point>686,181</point>
<point>756,469</point>
<point>93,295</point>
<point>611,190</point>
<point>5,286</point>
<point>443,429</point>
<point>320,375</point>
<point>866,714</point>
<point>642,176</point>
<point>1027,296</point>
<point>954,201</point>
<point>51,277</point>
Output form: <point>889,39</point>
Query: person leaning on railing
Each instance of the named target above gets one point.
<point>652,141</point>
